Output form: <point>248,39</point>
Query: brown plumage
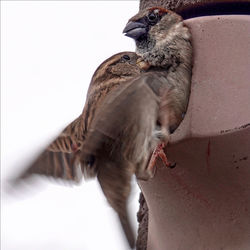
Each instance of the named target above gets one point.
<point>127,111</point>
<point>121,138</point>
<point>164,42</point>
<point>60,158</point>
<point>112,164</point>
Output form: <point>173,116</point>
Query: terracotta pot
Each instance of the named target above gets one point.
<point>204,202</point>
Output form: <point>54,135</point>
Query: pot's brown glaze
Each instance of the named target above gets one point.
<point>204,202</point>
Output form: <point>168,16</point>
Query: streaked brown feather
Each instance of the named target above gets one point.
<point>61,158</point>
<point>121,138</point>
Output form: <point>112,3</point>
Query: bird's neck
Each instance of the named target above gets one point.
<point>169,49</point>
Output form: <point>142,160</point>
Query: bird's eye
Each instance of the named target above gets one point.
<point>126,57</point>
<point>152,18</point>
<point>90,160</point>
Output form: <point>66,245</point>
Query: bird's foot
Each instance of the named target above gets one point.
<point>158,152</point>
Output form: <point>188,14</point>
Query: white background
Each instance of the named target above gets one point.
<point>49,51</point>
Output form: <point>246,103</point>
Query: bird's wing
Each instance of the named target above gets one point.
<point>59,159</point>
<point>126,117</point>
<point>119,139</point>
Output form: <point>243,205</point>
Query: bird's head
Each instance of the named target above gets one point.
<point>119,67</point>
<point>154,28</point>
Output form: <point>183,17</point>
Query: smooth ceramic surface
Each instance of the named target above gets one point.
<point>204,202</point>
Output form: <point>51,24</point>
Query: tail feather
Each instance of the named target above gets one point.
<point>114,179</point>
<point>127,228</point>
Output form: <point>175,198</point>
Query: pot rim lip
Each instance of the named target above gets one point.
<point>214,8</point>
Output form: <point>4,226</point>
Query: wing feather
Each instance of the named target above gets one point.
<point>60,159</point>
<point>127,117</point>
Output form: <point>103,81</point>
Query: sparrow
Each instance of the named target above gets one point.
<point>65,158</point>
<point>163,41</point>
<point>60,158</point>
<point>121,139</point>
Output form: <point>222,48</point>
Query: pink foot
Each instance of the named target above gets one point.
<point>158,152</point>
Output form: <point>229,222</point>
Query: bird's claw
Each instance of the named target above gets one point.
<point>158,152</point>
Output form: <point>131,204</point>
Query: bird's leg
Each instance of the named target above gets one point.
<point>158,152</point>
<point>162,155</point>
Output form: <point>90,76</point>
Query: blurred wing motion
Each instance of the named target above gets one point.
<point>124,126</point>
<point>114,136</point>
<point>60,158</point>
<point>121,139</point>
<point>118,144</point>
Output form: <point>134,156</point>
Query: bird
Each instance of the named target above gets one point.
<point>164,41</point>
<point>122,136</point>
<point>63,158</point>
<point>133,102</point>
<point>60,158</point>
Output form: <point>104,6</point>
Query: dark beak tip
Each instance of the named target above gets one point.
<point>124,30</point>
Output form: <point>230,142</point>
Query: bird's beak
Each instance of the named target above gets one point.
<point>135,29</point>
<point>142,64</point>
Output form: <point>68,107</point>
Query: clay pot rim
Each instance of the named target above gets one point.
<point>214,7</point>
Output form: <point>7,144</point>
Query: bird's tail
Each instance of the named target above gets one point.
<point>114,179</point>
<point>127,228</point>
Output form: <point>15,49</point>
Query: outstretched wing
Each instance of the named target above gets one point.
<point>60,158</point>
